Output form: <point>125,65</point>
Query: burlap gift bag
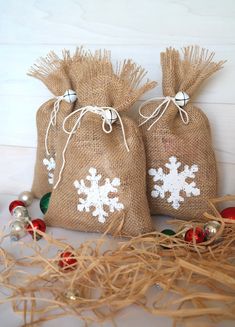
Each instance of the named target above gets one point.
<point>101,168</point>
<point>54,73</point>
<point>181,165</point>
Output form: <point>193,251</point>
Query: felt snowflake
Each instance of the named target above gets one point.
<point>174,182</point>
<point>97,196</point>
<point>50,164</point>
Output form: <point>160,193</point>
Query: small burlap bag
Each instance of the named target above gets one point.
<point>101,167</point>
<point>181,165</point>
<point>54,73</point>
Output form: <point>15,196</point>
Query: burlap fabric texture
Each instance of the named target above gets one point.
<point>103,186</point>
<point>54,73</point>
<point>181,165</point>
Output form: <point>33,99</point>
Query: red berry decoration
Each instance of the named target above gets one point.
<point>228,213</point>
<point>38,224</point>
<point>196,234</point>
<point>14,204</point>
<point>68,261</point>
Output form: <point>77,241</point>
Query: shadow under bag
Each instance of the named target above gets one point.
<point>100,177</point>
<point>181,165</point>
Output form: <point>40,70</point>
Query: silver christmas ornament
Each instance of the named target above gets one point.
<point>70,96</point>
<point>20,212</point>
<point>24,220</point>
<point>71,295</point>
<point>211,229</point>
<point>182,98</point>
<point>110,116</point>
<point>17,230</point>
<point>26,197</point>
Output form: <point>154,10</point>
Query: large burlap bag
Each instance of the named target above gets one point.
<point>54,73</point>
<point>181,165</point>
<point>101,168</point>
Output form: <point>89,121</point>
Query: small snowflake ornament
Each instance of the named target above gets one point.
<point>174,182</point>
<point>50,165</point>
<point>97,196</point>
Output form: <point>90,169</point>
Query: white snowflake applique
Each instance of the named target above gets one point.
<point>97,196</point>
<point>50,164</point>
<point>174,182</point>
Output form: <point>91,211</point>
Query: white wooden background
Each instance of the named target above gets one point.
<point>130,28</point>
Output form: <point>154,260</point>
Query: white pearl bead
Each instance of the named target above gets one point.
<point>17,230</point>
<point>70,96</point>
<point>26,197</point>
<point>110,115</point>
<point>182,98</point>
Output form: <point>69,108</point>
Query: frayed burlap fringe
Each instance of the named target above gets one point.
<point>52,62</point>
<point>197,65</point>
<point>188,281</point>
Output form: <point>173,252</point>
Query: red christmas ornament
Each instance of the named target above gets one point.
<point>67,262</point>
<point>228,213</point>
<point>14,204</point>
<point>38,224</point>
<point>197,234</point>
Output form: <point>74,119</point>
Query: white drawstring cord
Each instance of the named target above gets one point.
<point>69,96</point>
<point>52,121</point>
<point>97,110</point>
<point>158,113</point>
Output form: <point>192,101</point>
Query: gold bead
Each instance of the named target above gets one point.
<point>71,295</point>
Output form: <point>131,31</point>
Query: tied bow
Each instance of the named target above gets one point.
<point>162,108</point>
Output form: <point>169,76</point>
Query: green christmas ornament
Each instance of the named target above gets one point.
<point>168,232</point>
<point>44,202</point>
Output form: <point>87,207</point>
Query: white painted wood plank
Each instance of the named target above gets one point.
<point>16,60</point>
<point>17,165</point>
<point>117,22</point>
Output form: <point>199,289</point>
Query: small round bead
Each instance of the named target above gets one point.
<point>228,213</point>
<point>181,232</point>
<point>19,212</point>
<point>17,230</point>
<point>26,197</point>
<point>196,234</point>
<point>68,261</point>
<point>38,224</point>
<point>44,202</point>
<point>71,295</point>
<point>168,232</point>
<point>14,204</point>
<point>211,229</point>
